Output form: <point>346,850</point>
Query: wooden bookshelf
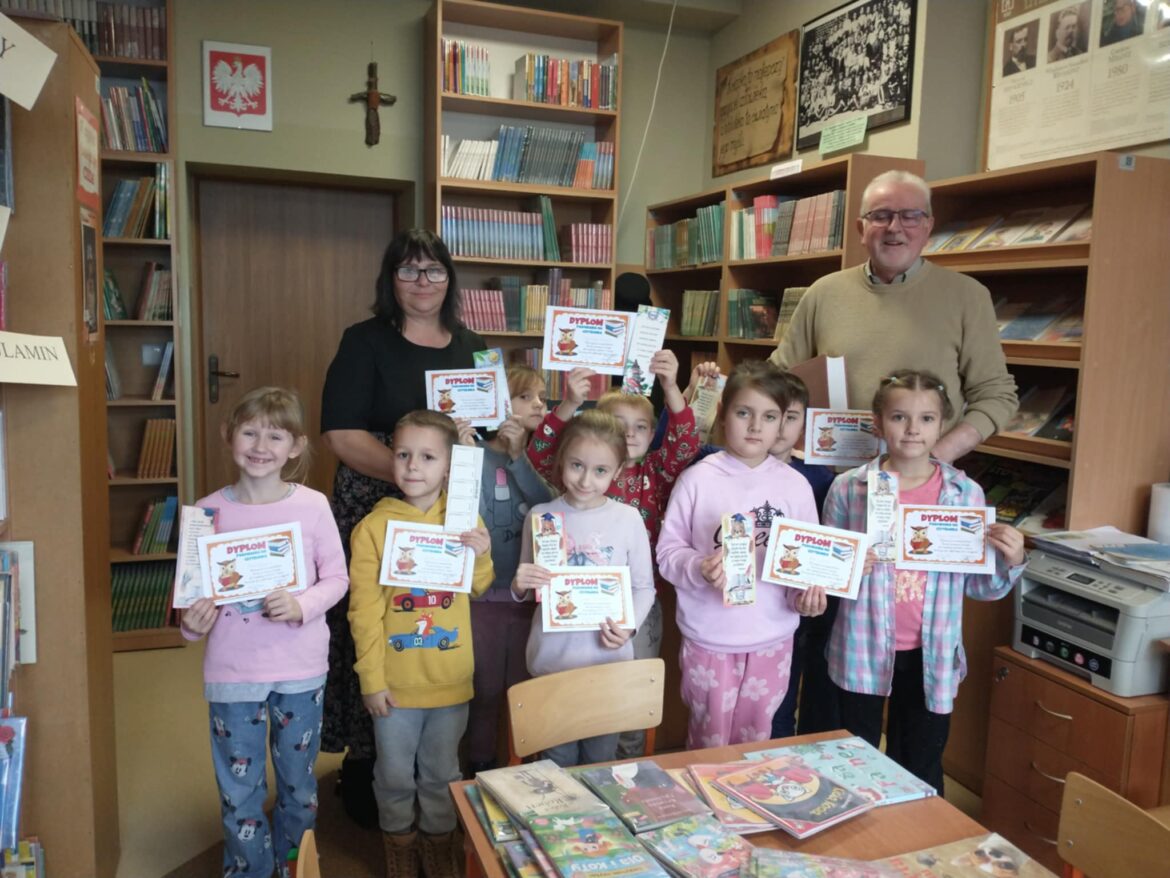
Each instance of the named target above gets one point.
<point>508,33</point>
<point>127,340</point>
<point>58,496</point>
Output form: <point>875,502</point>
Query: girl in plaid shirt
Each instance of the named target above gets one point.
<point>902,639</point>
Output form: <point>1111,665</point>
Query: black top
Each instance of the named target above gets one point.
<point>377,375</point>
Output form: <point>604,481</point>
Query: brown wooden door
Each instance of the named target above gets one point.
<point>283,270</point>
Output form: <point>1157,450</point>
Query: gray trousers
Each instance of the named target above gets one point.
<point>418,754</point>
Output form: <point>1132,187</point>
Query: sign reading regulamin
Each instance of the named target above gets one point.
<point>34,359</point>
<point>755,104</point>
<point>1074,77</point>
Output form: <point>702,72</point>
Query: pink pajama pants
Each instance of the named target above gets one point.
<point>732,695</point>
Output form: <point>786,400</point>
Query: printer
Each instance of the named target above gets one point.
<point>1102,627</point>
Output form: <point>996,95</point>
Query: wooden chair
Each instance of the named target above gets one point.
<point>307,864</point>
<point>598,700</point>
<point>1103,835</point>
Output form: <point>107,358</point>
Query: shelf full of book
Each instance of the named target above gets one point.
<point>134,49</point>
<point>521,163</point>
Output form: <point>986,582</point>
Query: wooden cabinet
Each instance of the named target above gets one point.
<point>473,98</point>
<point>1045,723</point>
<point>135,56</point>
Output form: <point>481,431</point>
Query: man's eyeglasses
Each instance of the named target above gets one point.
<point>911,218</point>
<point>436,274</point>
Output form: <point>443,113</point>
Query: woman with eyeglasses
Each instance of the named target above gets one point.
<point>375,378</point>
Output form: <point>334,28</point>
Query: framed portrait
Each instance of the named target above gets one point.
<point>237,86</point>
<point>755,106</point>
<point>856,60</point>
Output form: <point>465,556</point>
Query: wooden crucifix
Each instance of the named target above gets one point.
<point>373,99</point>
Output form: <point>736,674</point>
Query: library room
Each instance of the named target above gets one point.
<point>302,303</point>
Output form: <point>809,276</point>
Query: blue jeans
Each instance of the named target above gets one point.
<point>418,753</point>
<point>602,748</point>
<point>292,725</point>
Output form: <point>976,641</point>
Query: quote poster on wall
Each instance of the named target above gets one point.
<point>1069,78</point>
<point>755,106</point>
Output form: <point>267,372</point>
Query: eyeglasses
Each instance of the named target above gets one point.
<point>436,274</point>
<point>911,218</point>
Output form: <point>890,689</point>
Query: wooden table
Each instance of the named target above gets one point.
<point>878,833</point>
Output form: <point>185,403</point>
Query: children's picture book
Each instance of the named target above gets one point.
<point>858,765</point>
<point>772,863</point>
<point>798,799</point>
<point>1011,229</point>
<point>739,559</point>
<point>977,857</point>
<point>699,847</point>
<point>536,852</point>
<point>969,232</point>
<point>12,745</point>
<point>493,818</point>
<point>1062,423</point>
<point>537,789</point>
<point>1068,328</point>
<point>593,844</point>
<point>646,339</point>
<point>941,235</point>
<point>1049,226</point>
<point>1037,406</point>
<point>1037,316</point>
<point>518,861</point>
<point>643,795</point>
<point>730,810</point>
<point>1080,229</point>
<point>18,562</point>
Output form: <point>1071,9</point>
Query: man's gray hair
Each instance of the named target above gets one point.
<point>895,177</point>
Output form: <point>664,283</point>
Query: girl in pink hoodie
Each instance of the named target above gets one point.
<point>735,660</point>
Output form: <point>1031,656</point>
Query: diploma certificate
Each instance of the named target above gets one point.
<point>802,555</point>
<point>475,394</point>
<point>836,437</point>
<point>247,564</point>
<point>425,556</point>
<point>946,538</point>
<point>580,599</point>
<point>583,337</point>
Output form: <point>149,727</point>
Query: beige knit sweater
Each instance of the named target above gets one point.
<point>937,320</point>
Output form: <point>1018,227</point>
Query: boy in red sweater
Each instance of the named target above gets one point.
<point>646,480</point>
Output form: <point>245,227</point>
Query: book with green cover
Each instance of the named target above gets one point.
<point>642,794</point>
<point>699,847</point>
<point>593,844</point>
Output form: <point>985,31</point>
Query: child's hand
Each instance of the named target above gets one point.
<point>529,577</point>
<point>812,601</point>
<point>200,617</point>
<point>871,559</point>
<point>1008,541</point>
<point>379,703</point>
<point>477,539</point>
<point>280,606</point>
<point>613,637</point>
<point>711,568</point>
<point>664,364</point>
<point>467,434</point>
<point>699,374</point>
<point>577,386</point>
<point>513,436</point>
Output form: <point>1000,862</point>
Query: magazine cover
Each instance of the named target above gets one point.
<point>593,844</point>
<point>538,788</point>
<point>642,794</point>
<point>976,857</point>
<point>769,863</point>
<point>12,738</point>
<point>852,762</point>
<point>796,798</point>
<point>699,847</point>
<point>732,812</point>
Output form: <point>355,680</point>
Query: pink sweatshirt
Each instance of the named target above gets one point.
<point>714,486</point>
<point>246,647</point>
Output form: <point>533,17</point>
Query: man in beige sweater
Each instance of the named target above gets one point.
<point>897,311</point>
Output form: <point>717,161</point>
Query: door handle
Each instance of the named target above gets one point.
<point>214,373</point>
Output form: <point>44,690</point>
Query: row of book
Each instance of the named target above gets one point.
<point>530,154</point>
<point>156,456</point>
<point>13,743</point>
<point>1032,498</point>
<point>158,524</point>
<point>1058,319</point>
<point>17,639</point>
<point>783,225</point>
<point>119,29</point>
<point>162,380</point>
<point>700,313</point>
<point>466,67</point>
<point>588,243</point>
<point>751,314</point>
<point>138,207</point>
<point>694,241</point>
<point>511,306</point>
<point>546,80</point>
<point>154,302</point>
<point>555,383</point>
<point>1026,227</point>
<point>140,595</point>
<point>133,119</point>
<point>27,859</point>
<point>1046,412</point>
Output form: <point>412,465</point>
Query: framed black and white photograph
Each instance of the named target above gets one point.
<point>856,60</point>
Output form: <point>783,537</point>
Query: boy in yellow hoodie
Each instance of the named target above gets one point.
<point>414,658</point>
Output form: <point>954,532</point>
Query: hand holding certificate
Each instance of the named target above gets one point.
<point>582,598</point>
<point>585,337</point>
<point>479,395</point>
<point>802,555</point>
<point>834,437</point>
<point>248,564</point>
<point>946,538</point>
<point>425,556</point>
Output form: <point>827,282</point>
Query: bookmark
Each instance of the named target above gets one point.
<point>739,560</point>
<point>881,515</point>
<point>463,486</point>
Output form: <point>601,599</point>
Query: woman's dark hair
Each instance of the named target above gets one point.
<point>408,245</point>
